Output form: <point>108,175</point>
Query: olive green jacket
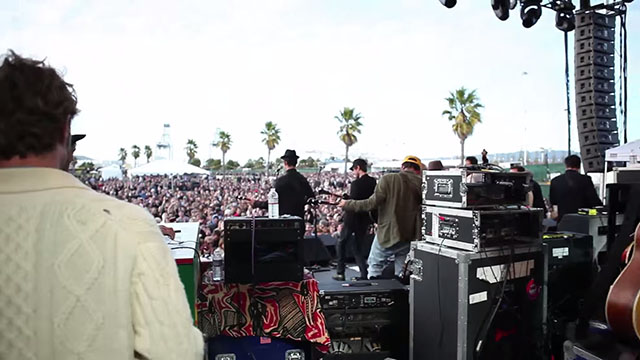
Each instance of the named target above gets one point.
<point>398,198</point>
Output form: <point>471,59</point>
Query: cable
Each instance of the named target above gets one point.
<point>623,30</point>
<point>566,77</point>
<point>441,336</point>
<point>487,322</point>
<point>197,256</point>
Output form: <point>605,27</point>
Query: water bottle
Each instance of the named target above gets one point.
<point>207,277</point>
<point>217,265</point>
<point>274,208</point>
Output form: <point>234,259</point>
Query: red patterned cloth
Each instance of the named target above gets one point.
<point>285,309</point>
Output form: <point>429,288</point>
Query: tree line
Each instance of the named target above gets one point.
<point>463,111</point>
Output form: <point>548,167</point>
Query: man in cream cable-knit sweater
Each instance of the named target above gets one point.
<point>83,276</point>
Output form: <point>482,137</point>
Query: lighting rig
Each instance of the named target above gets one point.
<point>531,10</point>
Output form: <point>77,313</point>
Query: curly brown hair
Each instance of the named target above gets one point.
<point>35,105</point>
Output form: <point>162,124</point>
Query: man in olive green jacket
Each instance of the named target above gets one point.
<point>398,199</point>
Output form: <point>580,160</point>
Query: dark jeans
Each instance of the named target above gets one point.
<point>355,240</point>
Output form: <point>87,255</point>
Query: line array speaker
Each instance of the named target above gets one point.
<point>595,87</point>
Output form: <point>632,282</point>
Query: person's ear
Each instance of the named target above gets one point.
<point>66,133</point>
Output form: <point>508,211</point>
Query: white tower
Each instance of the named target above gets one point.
<point>164,145</point>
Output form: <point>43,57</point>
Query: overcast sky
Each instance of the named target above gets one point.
<point>233,65</point>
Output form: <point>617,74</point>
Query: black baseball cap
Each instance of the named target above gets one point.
<point>77,137</point>
<point>362,163</point>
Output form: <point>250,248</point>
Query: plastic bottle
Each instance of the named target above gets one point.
<point>207,277</point>
<point>217,265</point>
<point>274,208</point>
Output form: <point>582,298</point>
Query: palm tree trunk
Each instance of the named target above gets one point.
<point>268,158</point>
<point>462,152</point>
<point>346,159</point>
<point>224,168</point>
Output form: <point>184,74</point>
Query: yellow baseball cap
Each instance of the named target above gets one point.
<point>412,159</point>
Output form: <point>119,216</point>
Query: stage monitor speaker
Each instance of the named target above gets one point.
<point>263,249</point>
<point>595,87</point>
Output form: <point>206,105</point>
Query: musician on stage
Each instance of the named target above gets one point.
<point>355,225</point>
<point>398,198</point>
<point>293,188</point>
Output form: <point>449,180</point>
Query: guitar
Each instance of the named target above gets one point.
<point>325,192</point>
<point>623,301</point>
<point>373,214</point>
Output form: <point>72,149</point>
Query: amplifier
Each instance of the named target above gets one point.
<point>478,230</point>
<point>263,249</point>
<point>366,320</point>
<point>463,188</point>
<point>597,226</point>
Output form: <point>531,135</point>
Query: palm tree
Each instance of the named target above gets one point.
<point>271,138</point>
<point>350,127</point>
<point>122,155</point>
<point>135,152</point>
<point>148,152</point>
<point>224,144</point>
<point>464,112</point>
<point>192,149</point>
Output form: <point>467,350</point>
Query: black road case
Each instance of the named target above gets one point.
<point>466,188</point>
<point>366,320</point>
<point>480,230</point>
<point>454,292</point>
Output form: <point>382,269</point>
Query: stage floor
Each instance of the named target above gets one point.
<point>324,275</point>
<point>326,283</point>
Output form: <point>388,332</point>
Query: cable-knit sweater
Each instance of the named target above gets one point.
<point>85,276</point>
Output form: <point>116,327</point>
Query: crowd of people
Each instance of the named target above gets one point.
<point>209,199</point>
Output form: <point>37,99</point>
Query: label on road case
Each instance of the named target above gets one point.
<point>495,273</point>
<point>477,297</point>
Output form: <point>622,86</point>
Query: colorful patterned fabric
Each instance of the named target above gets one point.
<point>286,309</point>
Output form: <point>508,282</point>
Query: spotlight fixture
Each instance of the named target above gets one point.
<point>530,12</point>
<point>513,4</point>
<point>565,18</point>
<point>449,3</point>
<point>501,8</point>
<point>565,21</point>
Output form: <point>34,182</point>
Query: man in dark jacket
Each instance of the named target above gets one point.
<point>355,225</point>
<point>293,188</point>
<point>571,190</point>
<point>398,198</point>
<point>534,197</point>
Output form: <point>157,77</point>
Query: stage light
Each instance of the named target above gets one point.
<point>448,3</point>
<point>530,12</point>
<point>501,8</point>
<point>513,4</point>
<point>565,18</point>
<point>565,21</point>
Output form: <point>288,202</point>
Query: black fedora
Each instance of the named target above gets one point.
<point>289,154</point>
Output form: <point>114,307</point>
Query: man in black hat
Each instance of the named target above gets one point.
<point>72,148</point>
<point>355,225</point>
<point>293,188</point>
